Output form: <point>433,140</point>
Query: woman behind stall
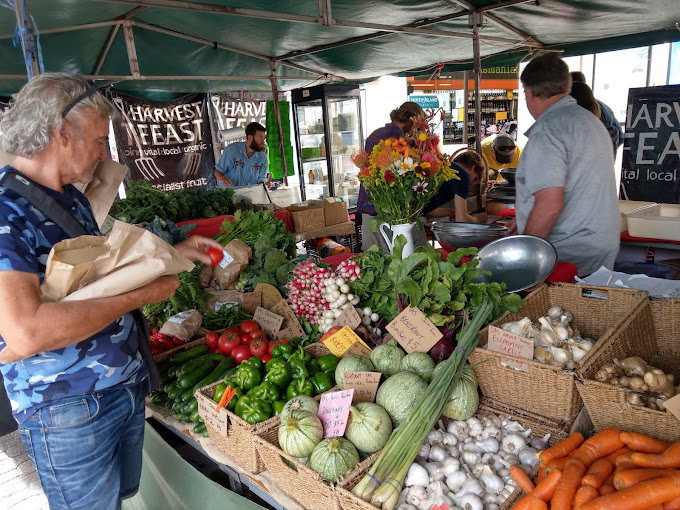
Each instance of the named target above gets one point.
<point>471,168</point>
<point>585,98</point>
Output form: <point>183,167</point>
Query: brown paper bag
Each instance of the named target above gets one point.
<point>92,267</point>
<point>183,325</point>
<point>227,271</point>
<point>102,189</point>
<point>247,301</point>
<point>205,276</point>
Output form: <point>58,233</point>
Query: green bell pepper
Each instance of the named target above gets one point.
<point>328,363</point>
<point>297,368</point>
<point>234,400</point>
<point>302,355</point>
<point>247,376</point>
<point>219,391</point>
<point>281,351</point>
<point>253,361</point>
<point>265,391</point>
<point>321,383</point>
<point>278,373</point>
<point>300,386</point>
<point>277,407</point>
<point>253,410</point>
<point>313,367</point>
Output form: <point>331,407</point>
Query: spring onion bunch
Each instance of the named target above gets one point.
<point>383,483</point>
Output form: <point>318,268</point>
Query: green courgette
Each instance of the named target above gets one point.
<point>188,380</point>
<point>194,416</point>
<point>192,353</point>
<point>193,364</point>
<point>172,371</point>
<point>199,429</point>
<point>174,392</point>
<point>176,407</point>
<point>187,394</point>
<point>217,374</point>
<point>193,405</point>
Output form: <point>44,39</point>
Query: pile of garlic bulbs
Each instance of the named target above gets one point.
<point>555,342</point>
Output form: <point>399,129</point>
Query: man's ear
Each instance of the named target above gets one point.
<point>62,135</point>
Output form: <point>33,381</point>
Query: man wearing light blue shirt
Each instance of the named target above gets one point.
<point>244,163</point>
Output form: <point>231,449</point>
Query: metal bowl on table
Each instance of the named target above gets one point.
<point>520,261</point>
<point>509,175</point>
<point>452,235</point>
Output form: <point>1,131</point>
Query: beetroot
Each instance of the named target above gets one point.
<point>442,349</point>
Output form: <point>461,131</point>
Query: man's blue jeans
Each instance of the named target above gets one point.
<point>88,449</point>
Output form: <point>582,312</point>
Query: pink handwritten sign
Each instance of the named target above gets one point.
<point>508,343</point>
<point>334,411</point>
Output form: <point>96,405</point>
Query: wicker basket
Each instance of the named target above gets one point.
<point>652,334</point>
<point>239,442</point>
<point>540,426</point>
<point>544,389</point>
<point>158,358</point>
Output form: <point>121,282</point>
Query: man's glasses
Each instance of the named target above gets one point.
<point>91,90</point>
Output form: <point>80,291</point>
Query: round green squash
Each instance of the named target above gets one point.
<point>300,403</point>
<point>400,395</point>
<point>368,427</point>
<point>387,358</point>
<point>352,363</point>
<point>334,457</point>
<point>463,400</point>
<point>299,433</point>
<point>419,362</point>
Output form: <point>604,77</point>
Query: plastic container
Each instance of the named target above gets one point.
<point>627,207</point>
<point>661,221</point>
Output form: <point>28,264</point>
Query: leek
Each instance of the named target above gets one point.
<point>383,483</point>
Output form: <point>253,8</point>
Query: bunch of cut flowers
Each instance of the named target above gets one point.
<point>401,175</point>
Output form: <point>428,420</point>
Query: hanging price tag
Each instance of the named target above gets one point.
<point>414,331</point>
<point>365,384</point>
<point>349,317</point>
<point>226,259</point>
<point>268,321</point>
<point>334,411</point>
<point>509,343</point>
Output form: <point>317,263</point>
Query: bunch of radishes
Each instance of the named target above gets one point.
<point>349,270</point>
<point>307,294</point>
<point>338,297</point>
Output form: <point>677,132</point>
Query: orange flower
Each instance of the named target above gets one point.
<point>400,145</point>
<point>384,158</point>
<point>360,158</point>
<point>365,172</point>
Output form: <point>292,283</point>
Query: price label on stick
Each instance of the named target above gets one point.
<point>349,317</point>
<point>340,342</point>
<point>334,411</point>
<point>268,321</point>
<point>514,345</point>
<point>414,331</point>
<point>365,384</point>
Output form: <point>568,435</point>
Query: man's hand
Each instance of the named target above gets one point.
<point>195,248</point>
<point>159,290</point>
<point>225,181</point>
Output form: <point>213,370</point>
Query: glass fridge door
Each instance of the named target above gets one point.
<point>312,149</point>
<point>346,140</point>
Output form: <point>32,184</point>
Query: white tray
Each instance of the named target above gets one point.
<point>661,221</point>
<point>628,206</point>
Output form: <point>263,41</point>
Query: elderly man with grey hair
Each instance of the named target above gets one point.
<point>566,187</point>
<point>78,394</point>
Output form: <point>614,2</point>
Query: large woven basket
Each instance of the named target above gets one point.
<point>540,425</point>
<point>158,358</point>
<point>654,335</point>
<point>547,390</point>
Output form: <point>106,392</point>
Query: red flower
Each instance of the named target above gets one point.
<point>389,176</point>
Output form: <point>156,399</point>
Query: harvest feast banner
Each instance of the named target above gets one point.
<point>234,110</point>
<point>167,143</point>
<point>651,151</point>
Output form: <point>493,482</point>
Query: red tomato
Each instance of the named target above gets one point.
<point>266,358</point>
<point>211,339</point>
<point>257,335</point>
<point>227,343</point>
<point>245,339</point>
<point>248,326</point>
<point>233,329</point>
<point>215,256</point>
<point>259,347</point>
<point>240,353</point>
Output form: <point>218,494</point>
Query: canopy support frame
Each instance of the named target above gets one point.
<point>277,114</point>
<point>27,42</point>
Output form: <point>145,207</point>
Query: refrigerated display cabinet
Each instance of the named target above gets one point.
<point>328,132</point>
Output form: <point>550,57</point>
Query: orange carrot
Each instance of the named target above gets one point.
<point>670,459</point>
<point>600,445</point>
<point>607,489</point>
<point>561,449</point>
<point>625,462</point>
<point>673,504</point>
<point>566,488</point>
<point>521,479</point>
<point>543,491</point>
<point>643,444</point>
<point>658,506</point>
<point>627,478</point>
<point>537,504</point>
<point>621,451</point>
<point>637,497</point>
<point>542,473</point>
<point>584,494</point>
<point>597,473</point>
<point>558,463</point>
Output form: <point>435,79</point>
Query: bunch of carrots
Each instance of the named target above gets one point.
<point>612,470</point>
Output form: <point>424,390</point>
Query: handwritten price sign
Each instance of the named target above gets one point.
<point>334,411</point>
<point>268,321</point>
<point>508,343</point>
<point>339,343</point>
<point>365,384</point>
<point>414,331</point>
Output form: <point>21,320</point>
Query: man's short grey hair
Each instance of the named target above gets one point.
<point>547,75</point>
<point>34,113</point>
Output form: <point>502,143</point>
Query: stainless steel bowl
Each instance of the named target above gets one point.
<point>452,235</point>
<point>520,261</point>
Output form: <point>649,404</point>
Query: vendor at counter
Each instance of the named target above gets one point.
<point>78,393</point>
<point>244,163</point>
<point>566,186</point>
<point>501,151</point>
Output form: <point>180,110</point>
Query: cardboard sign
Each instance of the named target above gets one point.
<point>226,259</point>
<point>365,384</point>
<point>509,343</point>
<point>206,410</point>
<point>349,317</point>
<point>268,321</point>
<point>338,343</point>
<point>270,295</point>
<point>414,331</point>
<point>359,348</point>
<point>291,327</point>
<point>334,411</point>
<point>672,405</point>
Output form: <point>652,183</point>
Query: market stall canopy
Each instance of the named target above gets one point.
<point>177,45</point>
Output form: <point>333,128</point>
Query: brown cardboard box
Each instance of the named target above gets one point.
<point>334,210</point>
<point>306,218</point>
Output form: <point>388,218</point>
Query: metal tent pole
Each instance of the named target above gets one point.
<point>476,21</point>
<point>275,97</point>
<point>27,43</point>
